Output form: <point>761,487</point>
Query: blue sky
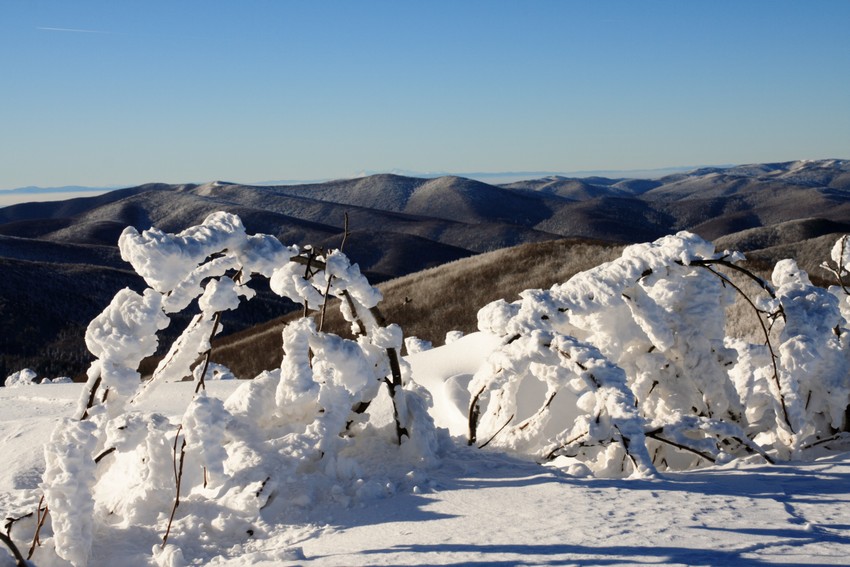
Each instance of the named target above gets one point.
<point>121,93</point>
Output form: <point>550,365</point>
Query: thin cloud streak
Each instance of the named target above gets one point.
<point>73,30</point>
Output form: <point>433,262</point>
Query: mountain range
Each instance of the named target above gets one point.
<point>61,266</point>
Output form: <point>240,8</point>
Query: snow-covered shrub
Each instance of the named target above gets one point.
<point>453,336</point>
<point>227,460</point>
<point>412,345</point>
<point>840,269</point>
<point>25,377</point>
<point>600,407</point>
<point>814,356</point>
<point>213,372</point>
<point>796,391</point>
<point>657,316</point>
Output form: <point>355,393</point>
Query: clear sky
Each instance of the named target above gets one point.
<point>120,93</point>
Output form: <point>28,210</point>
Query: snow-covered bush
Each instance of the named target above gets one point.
<point>840,269</point>
<point>29,377</point>
<point>58,380</point>
<point>812,361</point>
<point>227,460</point>
<point>412,345</point>
<point>655,320</point>
<point>453,336</point>
<point>25,377</point>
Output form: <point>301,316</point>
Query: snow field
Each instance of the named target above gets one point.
<point>483,507</point>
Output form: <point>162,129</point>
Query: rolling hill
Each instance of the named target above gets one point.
<point>61,265</point>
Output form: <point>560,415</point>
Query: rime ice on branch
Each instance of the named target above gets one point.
<point>234,455</point>
<point>657,315</point>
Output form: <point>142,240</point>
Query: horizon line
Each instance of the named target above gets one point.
<point>520,175</point>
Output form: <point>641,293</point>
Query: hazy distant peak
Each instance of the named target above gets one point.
<point>208,189</point>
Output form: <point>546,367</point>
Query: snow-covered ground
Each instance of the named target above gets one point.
<point>482,507</point>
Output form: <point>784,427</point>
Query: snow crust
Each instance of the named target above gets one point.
<point>477,506</point>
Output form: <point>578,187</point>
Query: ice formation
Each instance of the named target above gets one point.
<point>309,417</point>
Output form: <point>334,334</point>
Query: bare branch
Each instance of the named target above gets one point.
<point>104,454</point>
<point>179,476</point>
<point>657,436</point>
<point>15,551</point>
<point>497,432</point>
<point>330,278</point>
<point>92,394</point>
<point>473,415</point>
<point>708,266</point>
<point>41,516</point>
<point>705,262</point>
<point>201,385</point>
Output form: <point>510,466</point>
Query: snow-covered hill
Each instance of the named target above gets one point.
<point>398,225</point>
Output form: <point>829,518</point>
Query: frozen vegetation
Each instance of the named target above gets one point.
<point>617,385</point>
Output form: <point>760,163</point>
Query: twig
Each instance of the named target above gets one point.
<point>764,329</point>
<point>92,393</point>
<point>753,448</point>
<point>15,551</point>
<point>174,451</point>
<point>11,522</point>
<point>839,269</point>
<point>655,435</point>
<point>330,278</point>
<point>311,256</point>
<point>474,414</point>
<point>626,441</point>
<point>838,436</point>
<point>42,516</point>
<point>361,327</point>
<point>551,454</point>
<point>499,431</point>
<point>166,362</point>
<point>597,385</point>
<point>201,385</point>
<point>392,354</point>
<point>179,475</point>
<point>395,368</point>
<point>104,454</point>
<point>544,407</point>
<point>721,262</point>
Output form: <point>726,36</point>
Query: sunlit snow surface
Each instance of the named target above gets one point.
<point>479,507</point>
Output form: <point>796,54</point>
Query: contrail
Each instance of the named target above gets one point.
<point>74,30</point>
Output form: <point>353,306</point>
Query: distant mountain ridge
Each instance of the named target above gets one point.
<point>64,189</point>
<point>492,177</point>
<point>398,225</point>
